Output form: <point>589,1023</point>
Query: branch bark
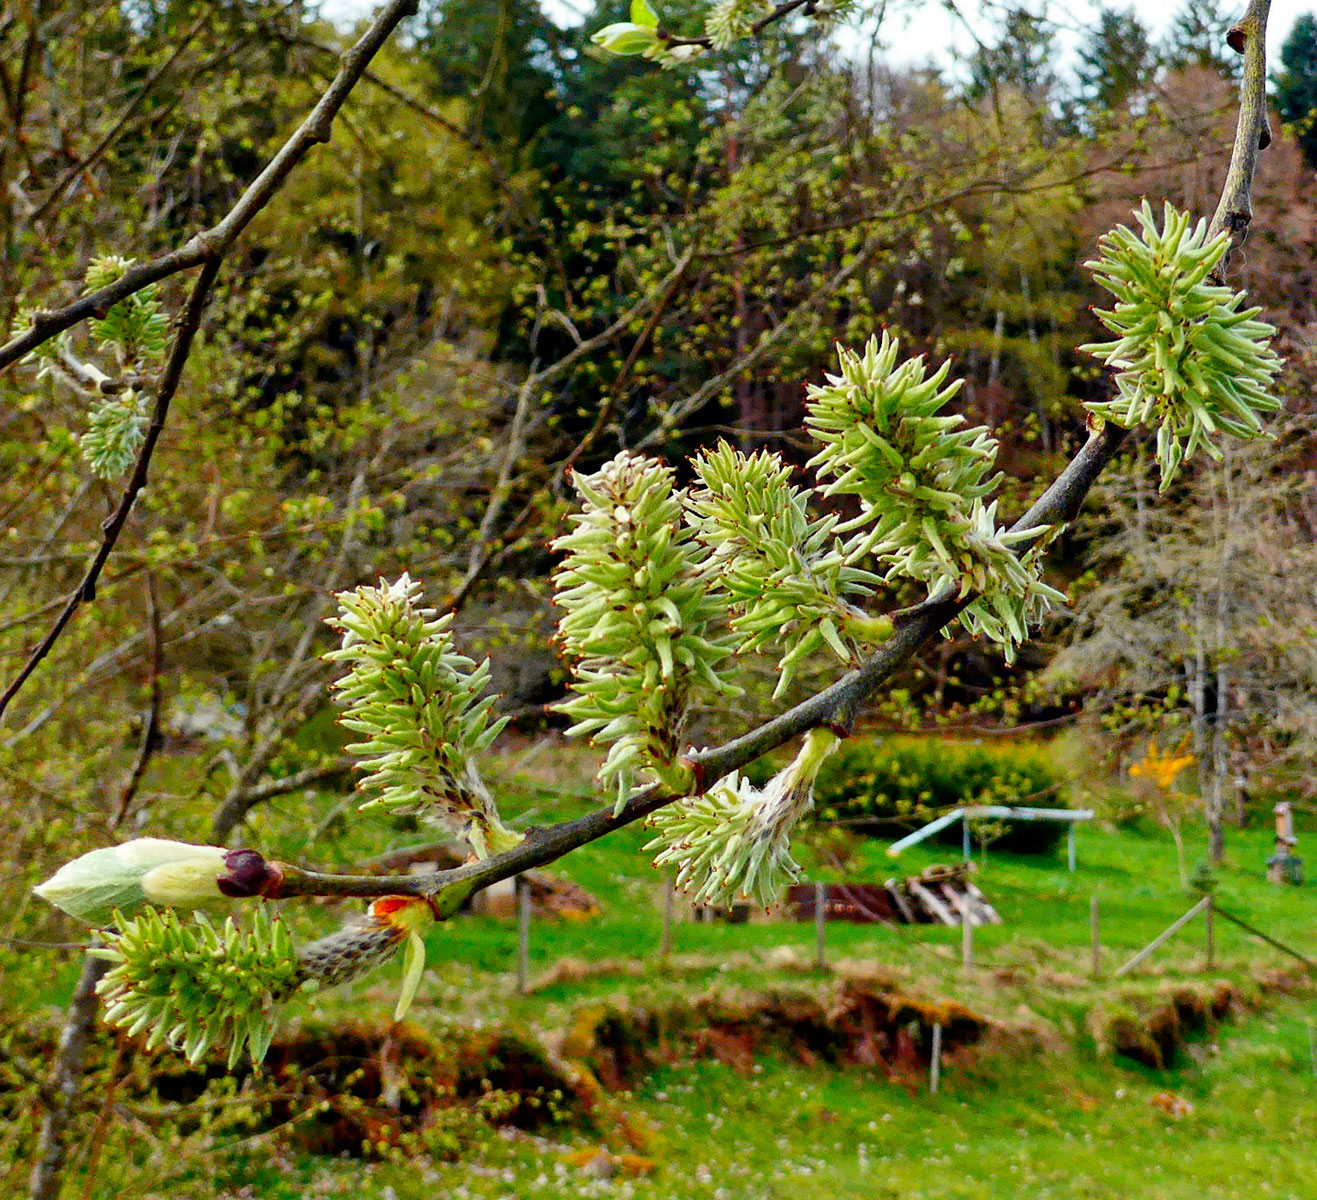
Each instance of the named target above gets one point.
<point>1060,503</point>
<point>206,249</point>
<point>170,377</point>
<point>211,245</point>
<point>66,1078</point>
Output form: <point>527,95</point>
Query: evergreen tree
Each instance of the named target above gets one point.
<point>1118,60</point>
<point>1021,59</point>
<point>1197,38</point>
<point>498,55</point>
<point>1296,86</point>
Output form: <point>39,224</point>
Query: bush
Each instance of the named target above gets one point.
<point>885,787</point>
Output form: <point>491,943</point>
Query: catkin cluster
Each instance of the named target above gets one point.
<point>193,986</point>
<point>784,572</point>
<point>922,480</point>
<point>419,707</point>
<point>1189,359</point>
<point>636,618</point>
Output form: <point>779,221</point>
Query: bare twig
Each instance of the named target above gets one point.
<point>66,1078</point>
<point>212,244</point>
<point>486,548</point>
<point>1235,210</point>
<point>781,12</point>
<point>150,718</point>
<point>89,159</point>
<point>170,377</point>
<point>208,250</point>
<point>242,802</point>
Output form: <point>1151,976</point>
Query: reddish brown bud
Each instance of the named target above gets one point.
<point>1236,38</point>
<point>248,873</point>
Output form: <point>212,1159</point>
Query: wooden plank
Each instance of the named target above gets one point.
<point>992,915</point>
<point>1165,936</point>
<point>961,904</point>
<point>897,894</point>
<point>932,903</point>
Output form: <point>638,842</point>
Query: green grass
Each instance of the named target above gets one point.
<point>1063,1122</point>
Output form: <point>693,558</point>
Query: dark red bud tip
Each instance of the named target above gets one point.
<point>1264,138</point>
<point>249,874</point>
<point>1236,38</point>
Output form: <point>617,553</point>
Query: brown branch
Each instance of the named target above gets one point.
<point>708,390</point>
<point>93,156</point>
<point>65,1080</point>
<point>781,12</point>
<point>212,244</point>
<point>242,800</point>
<point>1060,503</point>
<point>151,718</point>
<point>447,889</point>
<point>170,376</point>
<point>206,249</point>
<point>1235,210</point>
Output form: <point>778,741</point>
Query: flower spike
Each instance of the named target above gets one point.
<point>735,840</point>
<point>1189,359</point>
<point>417,704</point>
<point>637,611</point>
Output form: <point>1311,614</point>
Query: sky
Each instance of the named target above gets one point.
<point>918,33</point>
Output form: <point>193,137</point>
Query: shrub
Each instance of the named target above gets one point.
<point>885,787</point>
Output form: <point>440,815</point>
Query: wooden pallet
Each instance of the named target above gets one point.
<point>941,895</point>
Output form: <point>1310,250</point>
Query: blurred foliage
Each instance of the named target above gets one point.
<point>894,783</point>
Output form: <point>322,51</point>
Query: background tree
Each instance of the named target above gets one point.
<point>1117,62</point>
<point>1193,620</point>
<point>1296,85</point>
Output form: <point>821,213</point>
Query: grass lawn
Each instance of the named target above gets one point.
<point>1233,1117</point>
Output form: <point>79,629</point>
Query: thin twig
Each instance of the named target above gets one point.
<point>151,718</point>
<point>170,378</point>
<point>93,156</point>
<point>212,244</point>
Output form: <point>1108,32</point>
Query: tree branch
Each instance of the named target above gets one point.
<point>212,244</point>
<point>1235,210</point>
<point>1059,503</point>
<point>447,889</point>
<point>780,13</point>
<point>170,376</point>
<point>208,250</point>
<point>66,1078</point>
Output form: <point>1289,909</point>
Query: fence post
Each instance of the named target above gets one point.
<point>964,838</point>
<point>935,1060</point>
<point>1095,941</point>
<point>665,939</point>
<point>523,935</point>
<point>820,926</point>
<point>1070,846</point>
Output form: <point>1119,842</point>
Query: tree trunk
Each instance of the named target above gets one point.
<point>65,1080</point>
